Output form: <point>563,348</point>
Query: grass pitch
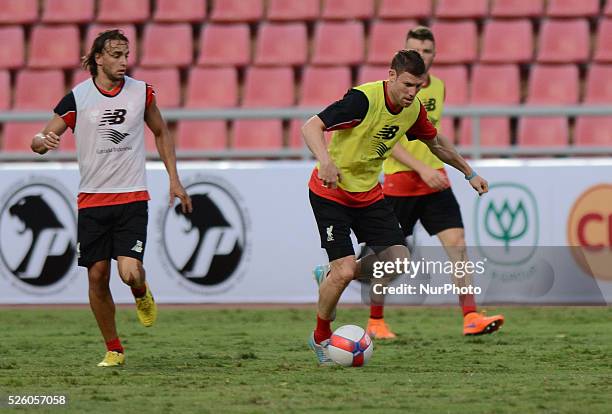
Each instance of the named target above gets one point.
<point>555,360</point>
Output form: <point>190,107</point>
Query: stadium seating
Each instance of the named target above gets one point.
<point>5,90</point>
<point>598,89</point>
<point>281,44</point>
<point>371,73</point>
<point>47,84</point>
<point>18,11</point>
<point>572,8</point>
<point>128,30</point>
<point>455,41</point>
<point>78,76</point>
<point>121,11</point>
<point>507,41</point>
<point>553,85</point>
<point>225,45</point>
<point>456,83</point>
<point>237,11</point>
<point>201,135</point>
<point>386,38</point>
<point>347,9</point>
<point>257,134</point>
<point>17,136</point>
<point>212,88</point>
<point>12,46</point>
<point>68,11</point>
<point>338,43</point>
<point>461,9</point>
<point>173,11</point>
<point>268,87</point>
<point>54,47</point>
<point>293,10</point>
<point>517,8</point>
<point>563,41</point>
<point>543,132</point>
<point>603,45</point>
<point>593,131</point>
<point>322,86</point>
<point>608,9</point>
<point>404,9</point>
<point>165,82</point>
<point>167,45</point>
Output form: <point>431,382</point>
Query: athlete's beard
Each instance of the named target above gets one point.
<point>112,77</point>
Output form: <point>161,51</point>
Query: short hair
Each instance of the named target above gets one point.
<point>408,61</point>
<point>420,33</point>
<point>88,62</point>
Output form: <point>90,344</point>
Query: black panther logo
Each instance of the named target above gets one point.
<point>52,251</point>
<point>206,216</point>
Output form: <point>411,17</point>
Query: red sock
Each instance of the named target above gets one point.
<point>323,330</point>
<point>139,292</point>
<point>376,311</point>
<point>467,303</point>
<point>114,345</point>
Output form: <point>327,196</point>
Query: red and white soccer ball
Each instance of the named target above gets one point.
<point>350,346</point>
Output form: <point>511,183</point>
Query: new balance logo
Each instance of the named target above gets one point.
<point>388,132</point>
<point>137,247</point>
<point>111,135</point>
<point>330,235</point>
<point>430,104</point>
<point>113,117</point>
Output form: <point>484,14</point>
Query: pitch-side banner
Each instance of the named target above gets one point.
<point>252,236</point>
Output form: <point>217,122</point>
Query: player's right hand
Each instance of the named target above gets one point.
<point>434,178</point>
<point>329,174</point>
<point>50,140</point>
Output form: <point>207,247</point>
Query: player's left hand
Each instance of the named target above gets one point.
<point>479,184</point>
<point>177,190</point>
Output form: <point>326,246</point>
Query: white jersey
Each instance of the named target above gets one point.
<point>109,133</point>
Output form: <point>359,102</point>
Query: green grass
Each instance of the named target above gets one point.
<point>554,360</point>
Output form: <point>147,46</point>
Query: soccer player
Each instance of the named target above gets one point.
<point>108,113</point>
<point>417,185</point>
<point>344,190</point>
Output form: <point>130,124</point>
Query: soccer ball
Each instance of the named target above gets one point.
<point>350,346</point>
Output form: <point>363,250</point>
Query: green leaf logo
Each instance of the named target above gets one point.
<point>506,223</point>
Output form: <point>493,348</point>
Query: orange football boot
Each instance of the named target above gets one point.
<point>478,324</point>
<point>377,328</point>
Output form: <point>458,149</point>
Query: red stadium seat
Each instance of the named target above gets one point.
<point>39,89</point>
<point>386,38</point>
<point>543,132</point>
<point>172,11</point>
<point>54,47</point>
<point>68,11</point>
<point>372,73</point>
<point>257,134</point>
<point>121,11</point>
<point>404,9</point>
<point>447,128</point>
<point>201,135</point>
<point>563,41</point>
<point>455,41</point>
<point>293,10</point>
<point>603,46</point>
<point>271,87</point>
<point>347,9</point>
<point>321,86</point>
<point>212,88</point>
<point>17,136</point>
<point>18,11</point>
<point>237,11</point>
<point>572,8</point>
<point>517,8</point>
<point>225,44</point>
<point>494,132</point>
<point>12,46</point>
<point>461,9</point>
<point>280,44</point>
<point>598,89</point>
<point>608,9</point>
<point>338,43</point>
<point>5,90</point>
<point>78,76</point>
<point>593,131</point>
<point>167,45</point>
<point>455,80</point>
<point>553,85</point>
<point>166,83</point>
<point>93,30</point>
<point>507,41</point>
<point>495,84</point>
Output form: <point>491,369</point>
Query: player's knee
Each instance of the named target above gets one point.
<point>456,240</point>
<point>99,276</point>
<point>132,274</point>
<point>343,271</point>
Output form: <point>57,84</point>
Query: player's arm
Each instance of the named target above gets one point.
<point>165,147</point>
<point>343,114</point>
<point>49,137</point>
<point>432,177</point>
